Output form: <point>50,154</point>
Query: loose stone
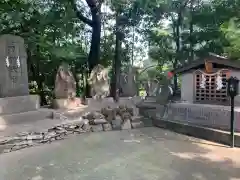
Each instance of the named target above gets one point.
<point>126,124</point>
<point>107,127</point>
<point>97,128</point>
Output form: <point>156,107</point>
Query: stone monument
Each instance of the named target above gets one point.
<point>99,82</point>
<point>128,83</point>
<point>13,74</point>
<point>65,89</point>
<point>65,84</point>
<point>16,105</point>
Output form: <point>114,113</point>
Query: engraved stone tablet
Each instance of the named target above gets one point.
<point>13,67</point>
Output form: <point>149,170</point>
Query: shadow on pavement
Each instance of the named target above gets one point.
<point>197,159</point>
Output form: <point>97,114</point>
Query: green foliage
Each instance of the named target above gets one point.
<point>172,31</point>
<point>231,30</point>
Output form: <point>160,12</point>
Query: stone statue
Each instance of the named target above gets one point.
<point>65,89</point>
<point>128,82</point>
<point>65,84</point>
<point>99,82</point>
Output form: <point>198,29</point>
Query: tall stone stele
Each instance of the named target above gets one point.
<point>14,91</point>
<point>13,67</point>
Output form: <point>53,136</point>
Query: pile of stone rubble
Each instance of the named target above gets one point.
<point>106,119</point>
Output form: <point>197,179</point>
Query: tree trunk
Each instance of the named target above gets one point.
<point>178,40</point>
<point>95,23</point>
<point>191,57</point>
<point>40,80</point>
<point>116,64</point>
<point>133,41</point>
<point>94,54</point>
<point>178,48</point>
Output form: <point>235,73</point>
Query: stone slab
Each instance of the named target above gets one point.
<point>212,116</point>
<point>67,103</point>
<point>18,104</point>
<point>203,115</point>
<point>24,117</point>
<point>97,128</point>
<point>100,121</point>
<point>33,126</point>
<point>139,124</point>
<point>136,118</point>
<point>209,134</point>
<point>107,127</point>
<point>103,103</point>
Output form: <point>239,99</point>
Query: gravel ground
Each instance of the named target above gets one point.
<point>139,154</point>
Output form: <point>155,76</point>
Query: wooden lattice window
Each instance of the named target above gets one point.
<point>210,93</point>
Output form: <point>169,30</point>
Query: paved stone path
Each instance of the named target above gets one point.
<point>139,154</point>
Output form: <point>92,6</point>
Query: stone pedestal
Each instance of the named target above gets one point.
<point>103,102</point>
<point>126,125</point>
<point>16,105</point>
<point>66,103</point>
<point>19,104</point>
<point>97,128</point>
<point>22,109</point>
<point>107,127</point>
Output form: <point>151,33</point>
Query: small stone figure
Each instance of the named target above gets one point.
<point>65,84</point>
<point>99,82</point>
<point>65,89</point>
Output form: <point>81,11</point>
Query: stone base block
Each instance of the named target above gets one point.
<point>107,127</point>
<point>100,121</point>
<point>12,105</point>
<point>97,128</point>
<point>209,134</point>
<point>25,117</point>
<point>105,101</point>
<point>137,118</point>
<point>116,123</point>
<point>138,124</point>
<point>126,125</point>
<point>66,103</point>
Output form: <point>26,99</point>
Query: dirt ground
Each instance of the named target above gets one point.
<point>140,154</point>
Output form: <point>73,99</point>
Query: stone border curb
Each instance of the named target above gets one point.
<point>209,134</point>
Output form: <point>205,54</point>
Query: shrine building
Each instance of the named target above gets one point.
<point>203,81</point>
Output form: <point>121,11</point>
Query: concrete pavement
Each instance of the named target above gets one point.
<point>139,154</point>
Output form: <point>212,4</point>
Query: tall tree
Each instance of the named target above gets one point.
<point>95,24</point>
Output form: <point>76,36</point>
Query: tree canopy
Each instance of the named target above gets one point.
<point>83,33</point>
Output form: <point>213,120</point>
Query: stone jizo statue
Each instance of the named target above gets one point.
<point>99,82</point>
